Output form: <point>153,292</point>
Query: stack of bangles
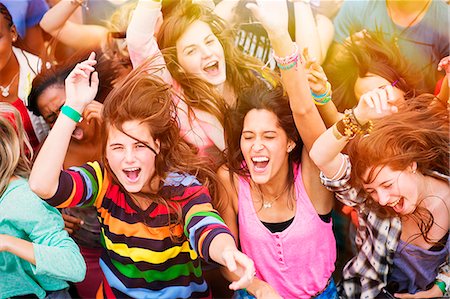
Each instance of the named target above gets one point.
<point>349,126</point>
<point>322,99</point>
<point>287,62</point>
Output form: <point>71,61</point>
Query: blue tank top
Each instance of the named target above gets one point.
<point>416,268</point>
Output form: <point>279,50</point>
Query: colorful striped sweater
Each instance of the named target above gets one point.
<point>141,260</point>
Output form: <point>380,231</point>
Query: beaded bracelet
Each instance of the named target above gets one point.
<point>349,128</point>
<point>287,62</point>
<point>287,59</point>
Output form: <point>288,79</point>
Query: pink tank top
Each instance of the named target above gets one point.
<point>296,262</point>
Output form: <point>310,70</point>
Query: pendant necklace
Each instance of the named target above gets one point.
<point>5,90</point>
<point>397,36</point>
<point>268,204</point>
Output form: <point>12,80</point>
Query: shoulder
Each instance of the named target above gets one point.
<point>21,198</point>
<point>27,60</point>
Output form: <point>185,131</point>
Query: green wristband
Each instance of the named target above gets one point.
<point>441,285</point>
<point>71,113</point>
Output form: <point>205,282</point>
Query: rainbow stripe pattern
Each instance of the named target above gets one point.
<point>151,259</point>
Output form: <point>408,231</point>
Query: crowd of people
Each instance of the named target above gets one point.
<point>224,149</point>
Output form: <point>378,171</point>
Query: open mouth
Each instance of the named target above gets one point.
<point>212,68</point>
<point>260,163</point>
<point>78,133</point>
<point>132,174</point>
<point>398,204</point>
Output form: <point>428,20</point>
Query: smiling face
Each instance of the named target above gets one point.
<point>396,189</point>
<point>132,161</point>
<point>200,53</point>
<point>372,81</point>
<point>264,145</point>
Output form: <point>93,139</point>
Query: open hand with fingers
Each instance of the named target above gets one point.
<point>376,104</point>
<point>82,84</point>
<point>71,223</point>
<point>273,15</point>
<point>240,264</point>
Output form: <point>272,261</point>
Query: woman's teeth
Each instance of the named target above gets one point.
<point>393,204</point>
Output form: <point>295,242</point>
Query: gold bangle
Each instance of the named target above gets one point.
<point>336,133</point>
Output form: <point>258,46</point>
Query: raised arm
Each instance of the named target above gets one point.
<point>141,41</point>
<point>326,151</point>
<point>81,88</point>
<point>273,17</point>
<point>78,36</point>
<point>313,32</point>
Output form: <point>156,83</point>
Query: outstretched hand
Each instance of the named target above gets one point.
<point>241,265</point>
<point>376,104</point>
<point>82,84</point>
<point>272,14</point>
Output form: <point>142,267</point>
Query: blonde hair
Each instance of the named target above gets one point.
<point>15,148</point>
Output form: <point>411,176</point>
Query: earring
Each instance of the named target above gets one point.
<point>290,149</point>
<point>414,171</point>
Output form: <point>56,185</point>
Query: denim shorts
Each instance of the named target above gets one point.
<point>330,292</point>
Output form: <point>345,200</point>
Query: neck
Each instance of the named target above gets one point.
<point>9,70</point>
<point>227,92</point>
<point>277,184</point>
<point>432,188</point>
<point>406,7</point>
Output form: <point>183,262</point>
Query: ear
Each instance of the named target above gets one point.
<point>413,167</point>
<point>14,34</point>
<point>290,146</point>
<point>157,145</point>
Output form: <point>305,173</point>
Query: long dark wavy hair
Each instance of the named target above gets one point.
<point>260,98</point>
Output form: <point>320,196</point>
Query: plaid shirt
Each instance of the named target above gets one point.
<point>365,275</point>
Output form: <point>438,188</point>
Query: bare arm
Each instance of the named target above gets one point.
<point>56,22</point>
<point>306,116</point>
<point>141,42</point>
<point>21,248</point>
<point>326,151</point>
<point>80,91</point>
<point>315,33</point>
<point>228,209</point>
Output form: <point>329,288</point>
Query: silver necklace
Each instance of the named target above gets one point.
<point>268,204</point>
<point>5,90</point>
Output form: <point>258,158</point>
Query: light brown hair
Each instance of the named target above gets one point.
<point>15,149</point>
